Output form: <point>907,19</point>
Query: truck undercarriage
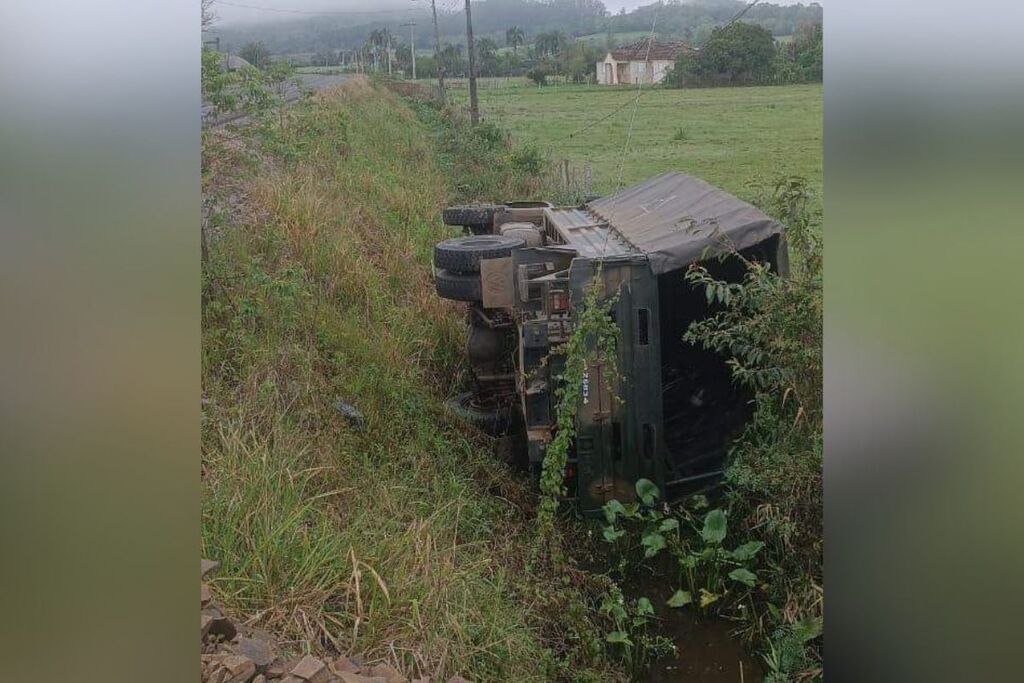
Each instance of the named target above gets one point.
<point>523,268</point>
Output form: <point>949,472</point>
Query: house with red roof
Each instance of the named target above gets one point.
<point>645,60</point>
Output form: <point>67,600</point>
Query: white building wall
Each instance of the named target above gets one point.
<point>654,71</point>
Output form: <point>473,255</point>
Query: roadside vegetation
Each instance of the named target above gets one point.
<point>350,513</point>
<point>750,550</point>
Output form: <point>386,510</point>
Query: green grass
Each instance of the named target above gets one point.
<point>398,537</point>
<point>732,137</point>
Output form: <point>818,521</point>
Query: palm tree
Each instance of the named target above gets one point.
<point>515,37</point>
<point>550,43</point>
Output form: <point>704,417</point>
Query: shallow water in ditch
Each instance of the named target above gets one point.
<point>706,650</point>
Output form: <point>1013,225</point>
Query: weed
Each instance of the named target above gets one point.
<point>680,135</point>
<point>769,330</point>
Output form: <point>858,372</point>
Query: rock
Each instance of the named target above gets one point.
<point>205,621</point>
<point>242,669</point>
<point>259,651</point>
<point>350,412</point>
<point>207,566</point>
<point>345,664</point>
<point>425,679</point>
<point>457,679</point>
<point>204,596</point>
<point>312,670</point>
<point>260,678</point>
<point>227,668</point>
<point>388,673</point>
<point>220,626</point>
<point>349,677</point>
<point>275,671</point>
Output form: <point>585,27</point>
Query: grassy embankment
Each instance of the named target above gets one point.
<point>396,535</point>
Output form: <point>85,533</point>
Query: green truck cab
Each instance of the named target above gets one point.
<point>672,409</point>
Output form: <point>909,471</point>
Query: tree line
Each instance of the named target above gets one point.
<point>691,22</point>
<point>747,54</point>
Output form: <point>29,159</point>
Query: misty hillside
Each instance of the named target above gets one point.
<point>691,21</point>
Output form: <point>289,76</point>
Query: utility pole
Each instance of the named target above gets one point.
<point>437,52</point>
<point>474,106</point>
<point>387,46</point>
<point>412,39</point>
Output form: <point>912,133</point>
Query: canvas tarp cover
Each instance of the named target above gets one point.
<point>677,219</point>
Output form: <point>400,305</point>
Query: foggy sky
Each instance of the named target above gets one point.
<point>231,13</point>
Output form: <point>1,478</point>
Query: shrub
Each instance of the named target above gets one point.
<point>538,75</point>
<point>769,329</point>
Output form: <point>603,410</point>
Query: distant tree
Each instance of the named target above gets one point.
<point>255,53</point>
<point>451,60</point>
<point>806,50</point>
<point>514,37</point>
<point>208,15</point>
<point>576,61</point>
<point>538,75</point>
<point>487,55</point>
<point>550,43</point>
<point>739,53</point>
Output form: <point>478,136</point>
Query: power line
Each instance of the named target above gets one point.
<point>736,17</point>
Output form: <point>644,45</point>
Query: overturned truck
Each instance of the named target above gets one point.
<point>523,268</point>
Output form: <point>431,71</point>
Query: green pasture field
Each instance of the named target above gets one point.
<point>736,138</point>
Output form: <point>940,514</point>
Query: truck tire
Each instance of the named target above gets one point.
<point>478,219</point>
<point>463,254</point>
<point>490,420</point>
<point>457,286</point>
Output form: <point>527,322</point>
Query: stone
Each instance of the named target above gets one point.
<point>275,670</point>
<point>312,669</point>
<point>260,678</point>
<point>457,679</point>
<point>204,596</point>
<point>259,651</point>
<point>220,625</point>
<point>388,673</point>
<point>205,621</point>
<point>349,677</point>
<point>240,669</point>
<point>345,664</point>
<point>207,566</point>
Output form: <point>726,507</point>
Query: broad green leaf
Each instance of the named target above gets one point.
<point>680,598</point>
<point>611,534</point>
<point>747,551</point>
<point>714,527</point>
<point>707,597</point>
<point>668,524</point>
<point>744,576</point>
<point>807,629</point>
<point>653,542</point>
<point>644,606</point>
<point>612,510</point>
<point>619,637</point>
<point>647,491</point>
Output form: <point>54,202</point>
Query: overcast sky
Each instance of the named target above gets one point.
<point>229,11</point>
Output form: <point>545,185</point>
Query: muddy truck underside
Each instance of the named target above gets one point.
<point>523,269</point>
